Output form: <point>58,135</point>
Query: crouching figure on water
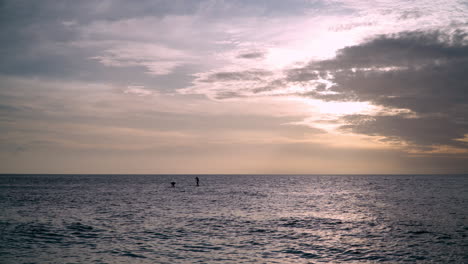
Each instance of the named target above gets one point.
<point>173,184</point>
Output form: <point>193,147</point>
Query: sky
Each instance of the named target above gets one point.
<point>240,86</point>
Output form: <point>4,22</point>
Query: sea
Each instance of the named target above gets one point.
<point>233,219</point>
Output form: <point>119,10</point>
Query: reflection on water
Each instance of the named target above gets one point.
<point>233,219</point>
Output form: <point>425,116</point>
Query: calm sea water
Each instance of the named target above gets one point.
<point>233,219</point>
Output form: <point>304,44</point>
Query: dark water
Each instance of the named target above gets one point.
<point>233,219</point>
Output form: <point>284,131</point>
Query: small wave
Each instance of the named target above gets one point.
<point>132,255</point>
<point>37,232</point>
<point>201,248</point>
<point>444,237</point>
<point>82,231</point>
<point>410,223</point>
<point>312,223</point>
<point>309,255</point>
<point>248,193</point>
<point>297,236</point>
<point>301,253</point>
<point>419,232</point>
<point>292,251</point>
<point>157,235</point>
<point>260,230</point>
<point>77,226</point>
<point>293,223</point>
<point>417,257</point>
<point>256,243</point>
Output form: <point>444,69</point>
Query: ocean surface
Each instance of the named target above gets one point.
<point>233,219</point>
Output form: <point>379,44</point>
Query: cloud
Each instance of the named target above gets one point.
<point>230,77</point>
<point>157,59</point>
<point>422,131</point>
<point>108,41</point>
<point>138,90</point>
<point>250,75</point>
<point>416,78</point>
<point>404,49</point>
<point>252,55</point>
<point>228,84</point>
<point>422,72</point>
<point>38,118</point>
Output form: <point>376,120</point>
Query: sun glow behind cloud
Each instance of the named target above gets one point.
<point>326,115</point>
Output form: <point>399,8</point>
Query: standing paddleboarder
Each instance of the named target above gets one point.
<point>197,180</point>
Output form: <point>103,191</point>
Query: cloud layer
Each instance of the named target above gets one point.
<point>251,86</point>
<point>422,72</point>
<point>417,78</point>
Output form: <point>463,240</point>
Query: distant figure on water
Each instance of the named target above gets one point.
<point>197,180</point>
<point>173,184</point>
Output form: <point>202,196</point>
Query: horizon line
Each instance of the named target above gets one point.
<point>240,174</point>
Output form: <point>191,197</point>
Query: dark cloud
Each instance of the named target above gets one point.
<point>228,95</point>
<point>8,108</point>
<point>411,14</point>
<point>301,74</point>
<point>424,72</point>
<point>270,86</point>
<point>27,12</point>
<point>250,75</point>
<point>406,49</point>
<point>428,89</point>
<point>252,55</point>
<point>326,96</point>
<point>423,131</point>
<point>39,40</point>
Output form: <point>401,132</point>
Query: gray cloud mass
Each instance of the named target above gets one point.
<point>249,75</point>
<point>424,72</point>
<point>252,55</point>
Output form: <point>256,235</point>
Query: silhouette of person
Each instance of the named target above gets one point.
<point>198,180</point>
<point>173,184</point>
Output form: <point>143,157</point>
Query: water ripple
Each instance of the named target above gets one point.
<point>233,219</point>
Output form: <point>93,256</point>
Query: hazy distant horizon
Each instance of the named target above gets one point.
<point>227,174</point>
